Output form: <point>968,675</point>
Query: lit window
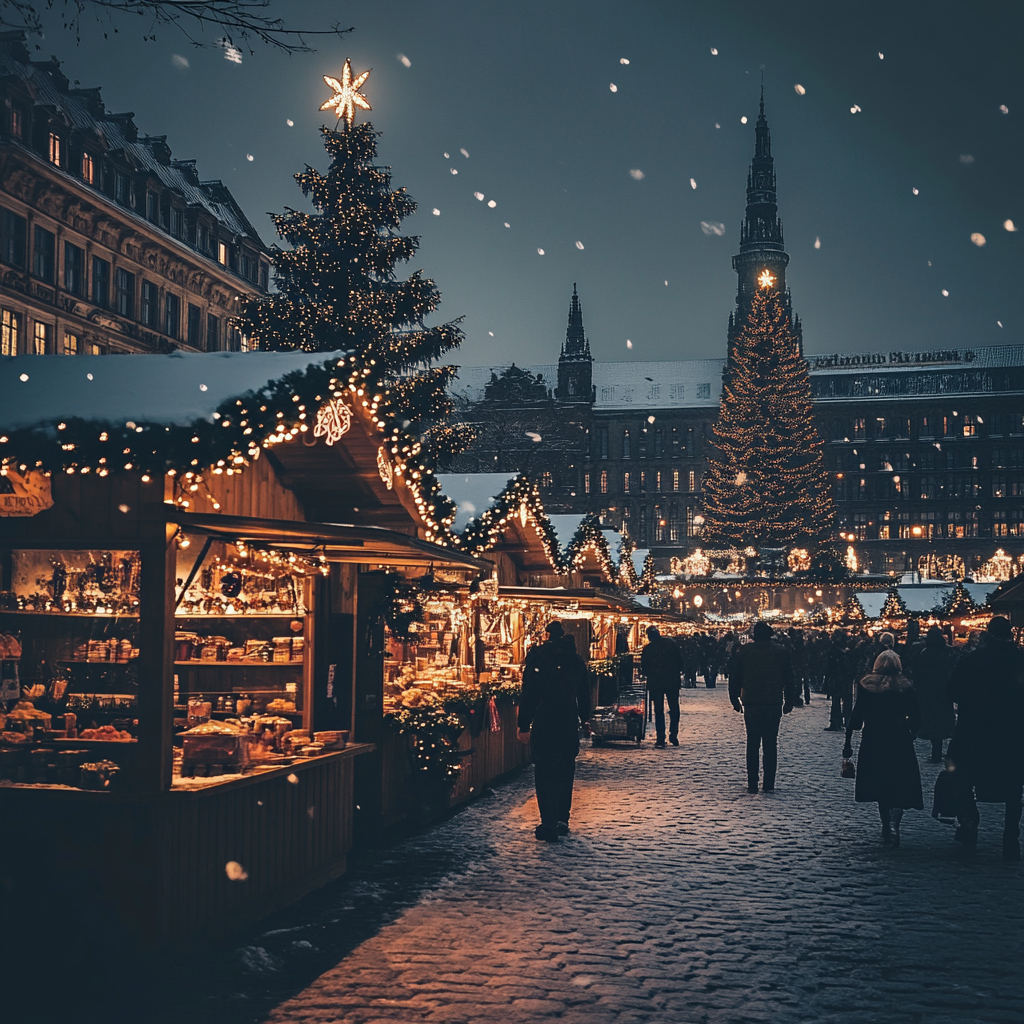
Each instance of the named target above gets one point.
<point>625,482</point>
<point>17,123</point>
<point>55,149</point>
<point>604,481</point>
<point>9,323</point>
<point>222,254</point>
<point>693,481</point>
<point>970,426</point>
<point>586,483</point>
<point>40,338</point>
<point>675,479</point>
<point>70,344</point>
<point>87,168</point>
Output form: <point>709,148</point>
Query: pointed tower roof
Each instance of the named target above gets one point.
<point>762,229</point>
<point>576,343</point>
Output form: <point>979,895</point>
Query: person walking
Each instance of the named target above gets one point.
<point>930,669</point>
<point>691,661</point>
<point>987,748</point>
<point>887,774</point>
<point>554,703</point>
<point>837,682</point>
<point>762,686</point>
<point>800,656</point>
<point>661,662</point>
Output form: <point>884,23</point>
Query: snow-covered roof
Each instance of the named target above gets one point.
<point>175,389</point>
<point>565,527</point>
<point>872,602</point>
<point>923,598</point>
<point>473,493</point>
<point>639,555</point>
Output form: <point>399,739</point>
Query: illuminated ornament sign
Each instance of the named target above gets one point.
<point>765,280</point>
<point>26,494</point>
<point>387,474</point>
<point>346,94</point>
<point>332,420</point>
<point>523,513</point>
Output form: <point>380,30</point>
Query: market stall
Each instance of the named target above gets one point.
<point>184,699</point>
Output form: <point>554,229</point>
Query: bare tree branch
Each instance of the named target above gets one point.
<point>235,21</point>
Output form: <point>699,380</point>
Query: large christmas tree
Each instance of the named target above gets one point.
<point>766,482</point>
<point>337,287</point>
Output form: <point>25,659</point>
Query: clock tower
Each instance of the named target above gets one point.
<point>762,259</point>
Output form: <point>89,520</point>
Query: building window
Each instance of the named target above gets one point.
<point>657,481</point>
<point>545,479</point>
<point>172,315</point>
<point>100,282</point>
<point>70,344</point>
<point>883,531</point>
<point>248,270</point>
<point>971,426</point>
<point>675,442</point>
<point>626,447</point>
<point>264,275</point>
<point>901,426</point>
<point>881,427</point>
<point>9,324</point>
<point>152,207</point>
<point>860,525</point>
<point>643,480</point>
<point>40,338</point>
<point>604,481</point>
<point>859,428</point>
<point>121,189</point>
<point>88,169</point>
<point>222,254</point>
<point>177,222</point>
<point>926,430</point>
<point>625,482</point>
<point>659,443</point>
<point>862,489</point>
<point>55,149</point>
<point>17,123</point>
<point>602,442</point>
<point>999,485</point>
<point>12,239</point>
<point>659,525</point>
<point>212,333</point>
<point>930,487</point>
<point>692,481</point>
<point>150,305</point>
<point>641,445</point>
<point>691,530</point>
<point>675,479</point>
<point>124,292</point>
<point>195,320</point>
<point>44,248</point>
<point>586,483</point>
<point>74,269</point>
<point>204,237</point>
<point>673,523</point>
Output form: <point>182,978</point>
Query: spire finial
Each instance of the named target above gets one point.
<point>762,92</point>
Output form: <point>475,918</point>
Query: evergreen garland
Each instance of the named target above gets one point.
<point>590,536</point>
<point>766,482</point>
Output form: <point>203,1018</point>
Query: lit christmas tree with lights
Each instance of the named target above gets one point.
<point>766,482</point>
<point>337,286</point>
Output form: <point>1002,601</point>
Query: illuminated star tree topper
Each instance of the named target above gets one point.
<point>346,94</point>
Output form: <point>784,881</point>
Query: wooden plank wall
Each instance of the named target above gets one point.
<point>255,492</point>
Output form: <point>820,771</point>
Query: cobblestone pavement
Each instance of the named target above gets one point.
<point>678,897</point>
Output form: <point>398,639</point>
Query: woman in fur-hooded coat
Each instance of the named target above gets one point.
<point>886,709</point>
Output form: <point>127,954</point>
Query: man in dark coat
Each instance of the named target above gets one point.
<point>930,668</point>
<point>838,682</point>
<point>661,662</point>
<point>691,661</point>
<point>554,702</point>
<point>987,749</point>
<point>763,687</point>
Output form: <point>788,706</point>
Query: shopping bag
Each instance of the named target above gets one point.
<point>949,797</point>
<point>849,769</point>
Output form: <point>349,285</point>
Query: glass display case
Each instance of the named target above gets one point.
<point>69,649</point>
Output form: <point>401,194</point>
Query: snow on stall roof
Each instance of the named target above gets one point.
<point>565,527</point>
<point>872,602</point>
<point>174,390</point>
<point>473,493</point>
<point>639,555</point>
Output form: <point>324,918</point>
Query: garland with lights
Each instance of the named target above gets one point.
<point>895,607</point>
<point>590,536</point>
<point>850,610</point>
<point>766,482</point>
<point>433,733</point>
<point>959,603</point>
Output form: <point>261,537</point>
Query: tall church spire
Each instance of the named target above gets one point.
<point>576,343</point>
<point>762,259</point>
<point>575,364</point>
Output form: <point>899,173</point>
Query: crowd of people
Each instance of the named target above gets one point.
<point>892,688</point>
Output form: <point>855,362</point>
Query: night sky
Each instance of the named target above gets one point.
<point>524,89</point>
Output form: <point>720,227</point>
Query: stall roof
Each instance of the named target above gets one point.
<point>337,541</point>
<point>593,600</point>
<point>175,389</point>
<point>473,493</point>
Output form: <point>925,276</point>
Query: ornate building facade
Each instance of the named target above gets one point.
<point>925,449</point>
<point>107,243</point>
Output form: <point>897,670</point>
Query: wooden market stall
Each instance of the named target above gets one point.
<point>162,573</point>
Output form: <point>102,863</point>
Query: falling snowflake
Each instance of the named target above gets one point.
<point>743,119</point>
<point>666,284</point>
<point>289,122</point>
<point>1003,108</point>
<point>579,245</point>
<point>650,419</point>
<point>402,59</point>
<point>491,333</point>
<point>507,224</point>
<point>491,203</point>
<point>800,90</point>
<point>693,184</point>
<point>1009,225</point>
<point>916,191</point>
<point>23,378</point>
<point>454,171</point>
<point>945,293</point>
<point>534,436</point>
<point>817,243</point>
<point>88,376</point>
<point>881,56</point>
<point>249,157</point>
<point>966,158</point>
<point>235,871</point>
<point>855,109</point>
<point>464,153</point>
<point>293,779</point>
<point>714,51</point>
<point>179,62</point>
<point>447,157</point>
<point>436,212</point>
<point>717,125</point>
<point>540,252</point>
<point>636,174</point>
<point>478,196</point>
<point>999,323</point>
<point>978,239</point>
<point>613,87</point>
<point>622,60</point>
<point>712,227</point>
<point>231,53</point>
<point>629,344</point>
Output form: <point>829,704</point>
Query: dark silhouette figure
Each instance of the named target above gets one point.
<point>555,701</point>
<point>931,667</point>
<point>987,748</point>
<point>763,687</point>
<point>661,662</point>
<point>887,773</point>
<point>838,673</point>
